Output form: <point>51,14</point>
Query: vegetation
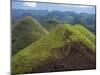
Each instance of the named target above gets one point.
<point>53,46</point>
<point>86,32</point>
<point>50,25</point>
<point>25,32</point>
<point>70,17</point>
<point>53,39</point>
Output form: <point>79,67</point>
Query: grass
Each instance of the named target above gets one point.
<point>27,24</point>
<point>25,32</point>
<point>46,49</point>
<point>80,37</point>
<point>25,41</point>
<point>86,32</point>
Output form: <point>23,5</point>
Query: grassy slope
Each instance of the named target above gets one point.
<point>86,32</point>
<point>27,24</point>
<point>81,37</point>
<point>25,40</point>
<point>25,32</point>
<point>46,49</point>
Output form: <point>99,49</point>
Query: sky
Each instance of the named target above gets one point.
<point>52,6</point>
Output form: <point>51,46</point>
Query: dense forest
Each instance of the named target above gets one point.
<point>52,41</point>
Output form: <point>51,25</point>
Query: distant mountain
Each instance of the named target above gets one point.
<point>88,20</point>
<point>25,32</point>
<point>62,42</point>
<point>13,19</point>
<point>20,13</point>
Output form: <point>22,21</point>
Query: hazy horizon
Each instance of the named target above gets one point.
<point>53,7</point>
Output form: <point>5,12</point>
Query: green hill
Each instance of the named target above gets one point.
<point>25,32</point>
<point>54,46</point>
<point>86,32</point>
<point>51,24</point>
<point>25,40</point>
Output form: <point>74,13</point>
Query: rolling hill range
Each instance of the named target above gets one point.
<point>69,17</point>
<point>62,46</point>
<point>25,32</point>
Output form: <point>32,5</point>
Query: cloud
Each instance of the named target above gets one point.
<point>85,6</point>
<point>30,4</point>
<point>79,6</point>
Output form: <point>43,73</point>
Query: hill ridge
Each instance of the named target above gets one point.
<point>49,48</point>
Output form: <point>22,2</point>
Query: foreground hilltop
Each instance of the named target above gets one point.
<point>62,43</point>
<point>25,32</point>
